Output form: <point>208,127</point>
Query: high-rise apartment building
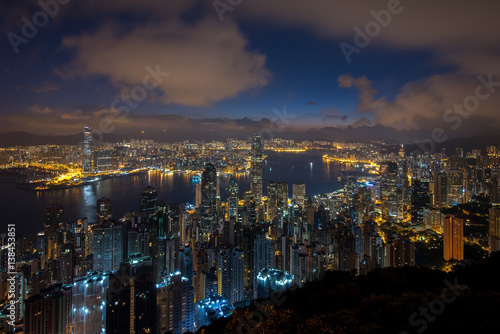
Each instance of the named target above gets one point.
<point>453,235</point>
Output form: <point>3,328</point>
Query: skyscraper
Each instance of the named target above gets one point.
<point>87,149</point>
<point>230,263</point>
<point>107,246</point>
<point>208,198</point>
<point>232,199</point>
<point>149,203</point>
<point>389,191</point>
<point>453,238</point>
<point>299,193</point>
<point>89,303</point>
<point>256,169</point>
<point>420,199</point>
<point>103,209</point>
<point>49,312</point>
<point>54,218</point>
<point>175,299</point>
<point>494,233</point>
<point>440,190</point>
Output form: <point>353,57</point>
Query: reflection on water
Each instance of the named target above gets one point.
<point>26,208</point>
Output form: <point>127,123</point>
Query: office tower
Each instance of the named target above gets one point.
<point>103,209</point>
<point>256,169</point>
<point>455,187</point>
<point>208,198</point>
<point>232,199</point>
<point>400,252</point>
<point>299,194</point>
<point>389,191</point>
<point>453,238</point>
<point>103,161</point>
<point>89,303</point>
<point>420,199</point>
<point>440,190</point>
<point>49,311</point>
<point>149,203</point>
<point>87,149</point>
<point>271,280</point>
<point>494,231</point>
<point>175,300</point>
<point>131,298</point>
<point>54,218</point>
<point>230,265</point>
<point>108,246</point>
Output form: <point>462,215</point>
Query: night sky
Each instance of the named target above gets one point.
<point>231,59</point>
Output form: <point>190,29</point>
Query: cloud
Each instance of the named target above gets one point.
<point>430,103</point>
<point>363,121</point>
<point>207,61</point>
<point>332,113</point>
<point>310,103</point>
<point>45,86</point>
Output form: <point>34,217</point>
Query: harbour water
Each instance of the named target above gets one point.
<point>26,208</point>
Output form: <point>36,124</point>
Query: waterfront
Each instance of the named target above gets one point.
<point>25,208</point>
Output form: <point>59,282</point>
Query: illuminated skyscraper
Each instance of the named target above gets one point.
<point>440,190</point>
<point>89,303</point>
<point>107,246</point>
<point>494,235</point>
<point>49,312</point>
<point>175,299</point>
<point>453,238</point>
<point>256,169</point>
<point>230,263</point>
<point>149,203</point>
<point>299,193</point>
<point>389,191</point>
<point>455,187</point>
<point>87,149</point>
<point>208,197</point>
<point>232,199</point>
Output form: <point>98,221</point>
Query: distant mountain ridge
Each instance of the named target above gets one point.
<point>349,134</point>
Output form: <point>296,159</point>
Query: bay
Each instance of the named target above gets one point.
<point>26,208</point>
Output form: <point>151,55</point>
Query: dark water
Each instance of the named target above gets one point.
<point>25,208</point>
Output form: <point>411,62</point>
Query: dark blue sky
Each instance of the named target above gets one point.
<point>262,56</point>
